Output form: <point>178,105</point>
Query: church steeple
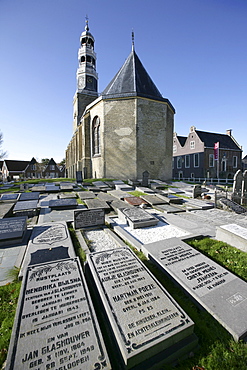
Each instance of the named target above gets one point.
<point>87,78</point>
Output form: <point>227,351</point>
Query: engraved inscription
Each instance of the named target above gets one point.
<point>47,234</point>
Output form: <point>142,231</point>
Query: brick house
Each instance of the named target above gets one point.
<point>52,170</point>
<point>13,169</point>
<point>195,156</point>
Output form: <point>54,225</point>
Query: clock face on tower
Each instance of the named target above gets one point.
<point>89,79</point>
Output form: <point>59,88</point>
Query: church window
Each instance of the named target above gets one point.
<point>96,135</point>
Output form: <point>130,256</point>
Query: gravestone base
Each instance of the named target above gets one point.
<point>234,235</point>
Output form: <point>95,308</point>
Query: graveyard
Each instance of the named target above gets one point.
<point>110,275</point>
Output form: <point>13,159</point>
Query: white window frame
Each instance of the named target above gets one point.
<point>179,162</point>
<point>192,144</point>
<point>235,161</point>
<point>174,148</point>
<point>196,155</point>
<point>211,160</point>
<point>187,157</point>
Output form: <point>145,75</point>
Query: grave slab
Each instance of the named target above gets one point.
<point>55,325</point>
<point>26,208</point>
<point>97,203</point>
<point>119,194</point>
<point>153,199</point>
<point>136,217</point>
<point>123,187</point>
<point>134,201</point>
<point>9,197</point>
<point>86,195</point>
<point>66,187</point>
<point>144,189</point>
<point>12,230</point>
<point>168,208</point>
<point>100,184</point>
<point>108,198</point>
<point>220,292</point>
<point>192,204</point>
<point>70,195</point>
<point>63,203</point>
<point>234,235</point>
<point>170,198</point>
<point>51,188</point>
<point>47,237</point>
<point>89,218</point>
<point>29,196</point>
<point>40,188</point>
<point>119,204</point>
<point>146,325</point>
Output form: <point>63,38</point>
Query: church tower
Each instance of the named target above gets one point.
<point>87,77</point>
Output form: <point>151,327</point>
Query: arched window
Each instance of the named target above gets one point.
<point>96,135</point>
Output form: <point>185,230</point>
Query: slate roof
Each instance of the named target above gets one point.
<point>182,140</point>
<point>133,80</point>
<point>15,165</point>
<point>210,138</point>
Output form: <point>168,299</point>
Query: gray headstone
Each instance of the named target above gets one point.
<point>167,208</point>
<point>79,176</point>
<point>40,188</point>
<point>48,236</point>
<point>118,204</point>
<point>29,196</point>
<point>145,177</point>
<point>89,217</point>
<point>145,190</point>
<point>6,209</point>
<point>9,197</point>
<point>12,230</point>
<point>63,203</point>
<point>119,194</point>
<point>220,292</point>
<point>100,184</point>
<point>26,206</point>
<point>97,203</point>
<point>153,199</point>
<point>136,217</point>
<point>55,325</point>
<point>144,319</point>
<point>106,197</point>
<point>123,187</point>
<point>86,195</point>
<point>52,188</point>
<point>66,187</point>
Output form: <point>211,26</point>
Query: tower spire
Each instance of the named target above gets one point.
<point>133,40</point>
<point>86,20</point>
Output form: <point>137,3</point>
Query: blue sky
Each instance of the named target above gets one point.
<point>194,50</point>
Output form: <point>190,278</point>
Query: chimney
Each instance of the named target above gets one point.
<point>229,132</point>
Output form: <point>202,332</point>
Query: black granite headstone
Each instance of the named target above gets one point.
<point>89,217</point>
<point>12,230</point>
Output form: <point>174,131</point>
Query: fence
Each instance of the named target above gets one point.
<point>200,180</point>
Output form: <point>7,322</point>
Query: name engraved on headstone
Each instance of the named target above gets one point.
<point>137,306</point>
<point>89,217</point>
<point>47,234</point>
<point>55,325</point>
<point>200,275</point>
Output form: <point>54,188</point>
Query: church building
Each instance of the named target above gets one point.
<point>124,131</point>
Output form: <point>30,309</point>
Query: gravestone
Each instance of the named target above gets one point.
<point>9,197</point>
<point>70,195</point>
<point>63,203</point>
<point>119,194</point>
<point>170,198</point>
<point>29,196</point>
<point>234,235</point>
<point>119,204</point>
<point>145,190</point>
<point>55,325</point>
<point>26,208</point>
<point>237,187</point>
<point>136,217</point>
<point>86,195</point>
<point>123,187</point>
<point>153,199</point>
<point>89,217</point>
<point>100,184</point>
<point>135,201</point>
<point>108,198</point>
<point>79,178</point>
<point>52,188</point>
<point>97,203</point>
<point>167,208</point>
<point>12,230</point>
<point>38,188</point>
<point>145,177</point>
<point>146,325</point>
<point>220,292</point>
<point>192,204</point>
<point>66,187</point>
<point>49,238</point>
<point>244,189</point>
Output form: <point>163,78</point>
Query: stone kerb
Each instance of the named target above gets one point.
<point>89,218</point>
<point>220,292</point>
<point>55,325</point>
<point>146,325</point>
<point>234,235</point>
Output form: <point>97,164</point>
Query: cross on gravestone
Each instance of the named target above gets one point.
<point>145,176</point>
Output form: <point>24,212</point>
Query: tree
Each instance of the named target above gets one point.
<point>2,153</point>
<point>45,161</point>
